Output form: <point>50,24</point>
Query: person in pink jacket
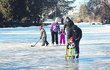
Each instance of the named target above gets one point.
<point>62,36</point>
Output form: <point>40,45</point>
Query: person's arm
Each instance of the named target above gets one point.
<point>65,25</point>
<point>64,32</point>
<point>58,28</point>
<point>51,27</point>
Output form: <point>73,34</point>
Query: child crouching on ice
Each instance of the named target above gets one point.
<point>43,36</point>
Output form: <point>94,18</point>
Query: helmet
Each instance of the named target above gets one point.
<point>71,39</point>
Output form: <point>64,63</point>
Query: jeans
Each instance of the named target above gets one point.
<point>54,37</point>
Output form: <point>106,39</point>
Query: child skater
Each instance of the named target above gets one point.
<point>62,36</point>
<point>43,36</point>
<point>70,48</point>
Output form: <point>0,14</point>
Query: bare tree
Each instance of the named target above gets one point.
<point>100,8</point>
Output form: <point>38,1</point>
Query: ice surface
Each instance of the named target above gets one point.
<point>16,52</point>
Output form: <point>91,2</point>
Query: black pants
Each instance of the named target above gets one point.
<point>44,39</point>
<point>77,46</point>
<point>54,37</point>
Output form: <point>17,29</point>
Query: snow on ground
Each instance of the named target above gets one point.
<point>94,52</point>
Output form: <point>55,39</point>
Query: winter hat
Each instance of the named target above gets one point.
<point>40,27</point>
<point>56,19</point>
<point>71,39</point>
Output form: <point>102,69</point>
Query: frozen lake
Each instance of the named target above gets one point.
<point>16,53</point>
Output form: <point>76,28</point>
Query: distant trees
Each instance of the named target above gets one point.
<point>22,10</point>
<point>100,8</point>
<point>95,10</point>
<point>5,10</point>
<point>83,11</point>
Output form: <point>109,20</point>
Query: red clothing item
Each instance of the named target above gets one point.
<point>62,37</point>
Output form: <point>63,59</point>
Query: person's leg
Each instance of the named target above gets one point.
<point>77,49</point>
<point>67,36</point>
<point>46,41</point>
<point>60,39</point>
<point>56,36</point>
<point>52,35</point>
<point>43,41</point>
<point>64,40</point>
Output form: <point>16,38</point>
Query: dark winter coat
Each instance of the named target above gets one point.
<point>78,32</point>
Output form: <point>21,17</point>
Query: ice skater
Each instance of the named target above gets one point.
<point>43,36</point>
<point>70,49</point>
<point>55,29</point>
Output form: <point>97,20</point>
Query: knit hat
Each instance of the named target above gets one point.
<point>40,27</point>
<point>56,19</point>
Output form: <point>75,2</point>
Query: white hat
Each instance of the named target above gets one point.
<point>56,19</point>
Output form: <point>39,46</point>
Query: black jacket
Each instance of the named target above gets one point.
<point>78,33</point>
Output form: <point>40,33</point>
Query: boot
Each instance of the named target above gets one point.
<point>77,56</point>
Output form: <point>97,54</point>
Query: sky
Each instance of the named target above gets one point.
<point>77,3</point>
